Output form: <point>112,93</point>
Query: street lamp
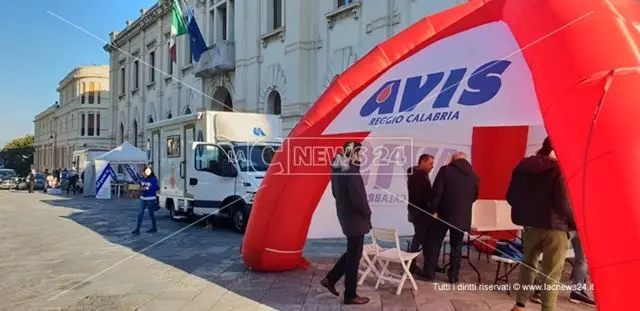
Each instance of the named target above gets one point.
<point>54,136</point>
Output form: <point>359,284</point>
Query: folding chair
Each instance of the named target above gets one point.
<point>368,262</point>
<point>396,255</point>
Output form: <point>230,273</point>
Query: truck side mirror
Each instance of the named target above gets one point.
<point>229,170</point>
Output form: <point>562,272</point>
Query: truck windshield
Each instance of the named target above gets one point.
<point>254,158</point>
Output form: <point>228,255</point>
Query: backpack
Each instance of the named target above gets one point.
<point>509,249</point>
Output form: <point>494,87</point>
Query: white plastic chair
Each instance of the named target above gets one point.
<point>368,262</point>
<point>387,256</point>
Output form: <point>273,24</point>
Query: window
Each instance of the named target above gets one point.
<point>135,133</point>
<point>98,124</point>
<point>173,146</point>
<point>187,110</point>
<point>136,75</point>
<point>342,3</point>
<point>274,103</point>
<point>121,133</point>
<point>150,119</point>
<point>152,67</point>
<point>188,59</point>
<point>276,17</point>
<point>123,82</point>
<point>92,94</point>
<point>91,125</point>
<point>82,125</point>
<point>169,68</point>
<point>84,90</point>
<point>222,13</point>
<point>169,116</point>
<point>212,27</point>
<point>254,158</point>
<point>211,158</point>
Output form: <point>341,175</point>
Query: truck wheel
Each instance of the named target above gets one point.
<point>172,212</point>
<point>239,219</point>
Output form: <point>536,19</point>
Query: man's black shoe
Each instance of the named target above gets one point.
<point>424,277</point>
<point>581,298</point>
<point>135,232</point>
<point>153,230</point>
<point>331,287</point>
<point>356,301</point>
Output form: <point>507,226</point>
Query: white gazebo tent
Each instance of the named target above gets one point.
<point>123,154</point>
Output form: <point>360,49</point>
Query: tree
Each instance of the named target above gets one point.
<point>18,154</point>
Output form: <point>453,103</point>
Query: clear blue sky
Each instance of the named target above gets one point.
<point>38,50</point>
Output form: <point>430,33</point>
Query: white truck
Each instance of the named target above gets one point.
<point>212,162</point>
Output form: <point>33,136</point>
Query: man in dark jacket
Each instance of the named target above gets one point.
<point>454,191</point>
<point>539,202</point>
<point>31,179</point>
<point>354,215</point>
<point>419,190</point>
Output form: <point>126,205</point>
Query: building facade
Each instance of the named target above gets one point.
<point>266,56</point>
<point>81,118</point>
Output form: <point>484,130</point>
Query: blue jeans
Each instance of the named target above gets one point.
<point>148,205</point>
<point>579,271</point>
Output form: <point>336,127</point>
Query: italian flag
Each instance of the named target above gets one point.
<point>178,28</point>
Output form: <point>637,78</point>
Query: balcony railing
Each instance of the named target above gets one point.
<point>219,58</point>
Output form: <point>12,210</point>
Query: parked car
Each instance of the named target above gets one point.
<point>39,184</point>
<point>40,180</point>
<point>8,179</point>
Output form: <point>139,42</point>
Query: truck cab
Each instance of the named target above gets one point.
<point>225,178</point>
<point>212,163</point>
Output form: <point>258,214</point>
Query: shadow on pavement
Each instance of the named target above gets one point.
<point>210,253</point>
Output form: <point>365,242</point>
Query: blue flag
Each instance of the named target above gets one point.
<point>198,46</point>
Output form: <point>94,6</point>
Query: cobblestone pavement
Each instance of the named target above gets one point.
<point>62,253</point>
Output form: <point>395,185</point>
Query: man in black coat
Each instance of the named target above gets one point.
<point>354,215</point>
<point>454,191</point>
<point>419,190</point>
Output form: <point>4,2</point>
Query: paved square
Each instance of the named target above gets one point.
<point>74,253</point>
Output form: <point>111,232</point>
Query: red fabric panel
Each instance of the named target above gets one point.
<point>495,151</point>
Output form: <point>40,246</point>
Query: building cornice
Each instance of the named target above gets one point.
<point>157,12</point>
<point>50,110</point>
<point>90,71</point>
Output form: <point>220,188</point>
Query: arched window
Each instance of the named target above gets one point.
<point>150,119</point>
<point>92,94</point>
<point>187,110</point>
<point>84,90</point>
<point>274,103</point>
<point>169,116</point>
<point>228,103</point>
<point>135,133</point>
<point>121,133</point>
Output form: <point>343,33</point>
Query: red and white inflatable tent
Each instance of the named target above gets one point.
<point>491,78</point>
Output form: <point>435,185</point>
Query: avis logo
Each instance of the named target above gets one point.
<point>483,84</point>
<point>258,132</point>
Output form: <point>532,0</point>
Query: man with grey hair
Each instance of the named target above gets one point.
<point>454,191</point>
